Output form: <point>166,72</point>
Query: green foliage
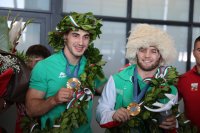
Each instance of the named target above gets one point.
<point>56,41</point>
<point>72,118</point>
<point>4,34</point>
<point>27,123</point>
<point>85,21</point>
<point>185,126</point>
<point>22,56</point>
<point>93,67</point>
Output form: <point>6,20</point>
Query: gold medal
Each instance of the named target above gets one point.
<point>134,109</point>
<point>73,83</point>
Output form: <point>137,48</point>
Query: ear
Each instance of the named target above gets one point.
<point>193,52</point>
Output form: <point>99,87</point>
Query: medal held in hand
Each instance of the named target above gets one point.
<point>134,109</point>
<point>73,83</point>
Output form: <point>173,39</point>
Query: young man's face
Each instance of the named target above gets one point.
<point>148,58</point>
<point>77,42</point>
<point>196,53</point>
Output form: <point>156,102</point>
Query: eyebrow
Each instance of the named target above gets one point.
<point>197,48</point>
<point>75,33</point>
<point>87,34</point>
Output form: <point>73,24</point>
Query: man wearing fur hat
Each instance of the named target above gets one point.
<point>62,86</point>
<point>122,106</point>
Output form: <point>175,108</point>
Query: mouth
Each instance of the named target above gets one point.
<point>79,49</point>
<point>147,61</point>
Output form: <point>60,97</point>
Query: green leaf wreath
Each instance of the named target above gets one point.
<point>85,22</point>
<point>75,116</point>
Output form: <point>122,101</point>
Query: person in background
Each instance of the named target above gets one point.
<point>189,88</point>
<point>148,49</point>
<point>35,53</point>
<point>54,80</point>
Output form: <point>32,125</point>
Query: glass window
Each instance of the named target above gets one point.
<point>29,37</point>
<point>98,7</point>
<point>26,4</point>
<point>161,9</point>
<point>112,46</point>
<point>196,11</point>
<point>196,33</point>
<point>180,44</point>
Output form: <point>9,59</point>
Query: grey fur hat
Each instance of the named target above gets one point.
<point>144,35</point>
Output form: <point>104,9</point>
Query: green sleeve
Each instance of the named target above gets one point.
<point>38,79</point>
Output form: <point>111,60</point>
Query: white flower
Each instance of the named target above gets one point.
<point>15,32</point>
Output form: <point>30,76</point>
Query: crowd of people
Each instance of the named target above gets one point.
<point>61,86</point>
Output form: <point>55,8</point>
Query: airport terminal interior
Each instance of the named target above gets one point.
<point>179,18</point>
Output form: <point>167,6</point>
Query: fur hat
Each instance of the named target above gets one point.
<point>144,36</point>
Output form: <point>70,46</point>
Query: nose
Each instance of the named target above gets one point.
<point>147,53</point>
<point>81,41</point>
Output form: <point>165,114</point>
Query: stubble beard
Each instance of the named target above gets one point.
<point>150,68</point>
<point>73,53</point>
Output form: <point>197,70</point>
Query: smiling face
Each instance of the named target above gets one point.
<point>76,42</point>
<point>148,59</point>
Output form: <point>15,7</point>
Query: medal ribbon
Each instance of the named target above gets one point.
<point>80,95</point>
<point>162,72</point>
<point>137,97</point>
<point>68,72</point>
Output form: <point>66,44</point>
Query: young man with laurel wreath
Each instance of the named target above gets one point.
<point>62,86</point>
<point>126,102</point>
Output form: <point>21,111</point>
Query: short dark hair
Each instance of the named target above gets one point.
<point>38,50</point>
<point>196,40</point>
